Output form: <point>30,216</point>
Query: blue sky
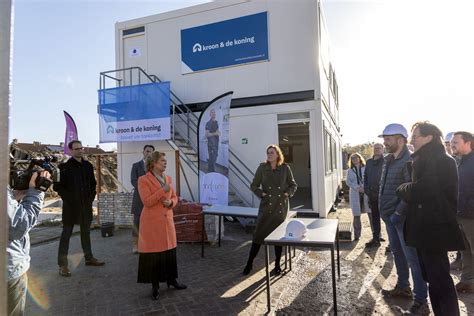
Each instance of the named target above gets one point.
<point>396,61</point>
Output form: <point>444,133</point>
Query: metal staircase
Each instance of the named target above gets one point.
<point>184,138</point>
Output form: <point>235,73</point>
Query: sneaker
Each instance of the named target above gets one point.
<point>398,292</point>
<point>418,308</point>
<point>64,271</point>
<point>372,243</point>
<point>464,287</point>
<point>94,262</point>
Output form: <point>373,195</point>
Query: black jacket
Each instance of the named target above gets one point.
<point>77,188</point>
<point>432,198</point>
<point>138,170</point>
<point>372,175</point>
<point>466,186</point>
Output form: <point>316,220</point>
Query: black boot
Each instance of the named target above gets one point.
<point>278,251</point>
<point>176,285</point>
<point>155,293</point>
<point>253,253</point>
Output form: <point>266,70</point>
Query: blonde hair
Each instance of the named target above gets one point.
<point>281,158</point>
<point>152,159</point>
<point>362,160</point>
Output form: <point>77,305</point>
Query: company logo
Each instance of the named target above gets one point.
<point>197,48</point>
<point>110,129</point>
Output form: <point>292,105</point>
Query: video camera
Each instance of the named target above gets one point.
<point>20,178</point>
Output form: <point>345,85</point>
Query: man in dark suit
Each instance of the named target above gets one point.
<point>77,188</point>
<point>138,170</point>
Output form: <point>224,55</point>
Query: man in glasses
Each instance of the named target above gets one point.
<point>77,188</point>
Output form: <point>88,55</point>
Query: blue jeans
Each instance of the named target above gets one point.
<point>405,257</point>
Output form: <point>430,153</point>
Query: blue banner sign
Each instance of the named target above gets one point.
<point>135,113</point>
<point>227,43</point>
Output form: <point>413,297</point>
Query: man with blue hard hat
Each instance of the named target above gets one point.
<point>392,210</point>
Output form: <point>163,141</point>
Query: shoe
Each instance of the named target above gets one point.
<point>64,271</point>
<point>94,262</point>
<point>373,243</point>
<point>388,250</point>
<point>381,239</point>
<point>398,292</point>
<point>155,294</point>
<point>418,308</point>
<point>176,285</point>
<point>247,269</point>
<point>356,238</point>
<point>464,287</point>
<point>277,270</point>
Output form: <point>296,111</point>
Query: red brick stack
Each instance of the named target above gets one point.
<point>188,221</point>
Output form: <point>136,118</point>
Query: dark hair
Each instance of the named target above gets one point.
<point>427,129</point>
<point>154,157</point>
<point>466,137</point>
<point>72,142</point>
<point>151,146</point>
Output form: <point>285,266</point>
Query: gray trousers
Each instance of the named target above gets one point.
<point>467,227</point>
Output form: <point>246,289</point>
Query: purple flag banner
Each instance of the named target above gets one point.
<point>71,132</point>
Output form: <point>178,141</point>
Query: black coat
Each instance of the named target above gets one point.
<point>138,170</point>
<point>432,198</point>
<point>77,188</point>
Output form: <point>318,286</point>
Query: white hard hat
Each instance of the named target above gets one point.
<point>394,129</point>
<point>449,136</point>
<point>295,229</point>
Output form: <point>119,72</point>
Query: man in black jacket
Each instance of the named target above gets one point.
<point>77,188</point>
<point>462,145</point>
<point>138,170</point>
<point>372,174</point>
<point>431,225</point>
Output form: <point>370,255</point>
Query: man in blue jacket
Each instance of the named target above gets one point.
<point>462,145</point>
<point>392,210</point>
<point>21,218</point>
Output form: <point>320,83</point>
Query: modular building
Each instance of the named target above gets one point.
<point>275,57</point>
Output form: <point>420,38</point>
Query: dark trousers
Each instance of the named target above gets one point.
<point>254,251</point>
<point>211,161</point>
<point>374,207</point>
<point>435,269</point>
<point>64,242</point>
<point>136,225</point>
<point>17,295</point>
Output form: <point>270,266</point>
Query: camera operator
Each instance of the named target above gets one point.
<point>22,216</point>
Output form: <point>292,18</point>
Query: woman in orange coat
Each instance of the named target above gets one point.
<point>157,236</point>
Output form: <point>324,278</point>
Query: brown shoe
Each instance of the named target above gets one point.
<point>464,287</point>
<point>64,271</point>
<point>94,262</point>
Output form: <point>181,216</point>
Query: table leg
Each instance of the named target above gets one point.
<point>202,236</point>
<point>269,305</point>
<point>220,217</point>
<point>290,259</point>
<point>338,262</point>
<point>333,272</point>
<point>294,251</point>
<point>286,257</point>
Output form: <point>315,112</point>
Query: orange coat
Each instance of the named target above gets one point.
<point>157,231</point>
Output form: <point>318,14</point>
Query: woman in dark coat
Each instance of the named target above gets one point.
<point>274,184</point>
<point>431,226</point>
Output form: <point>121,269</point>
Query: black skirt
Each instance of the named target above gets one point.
<point>157,267</point>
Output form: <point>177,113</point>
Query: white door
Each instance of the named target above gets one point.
<point>134,55</point>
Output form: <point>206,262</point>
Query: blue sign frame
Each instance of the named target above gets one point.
<point>227,43</point>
